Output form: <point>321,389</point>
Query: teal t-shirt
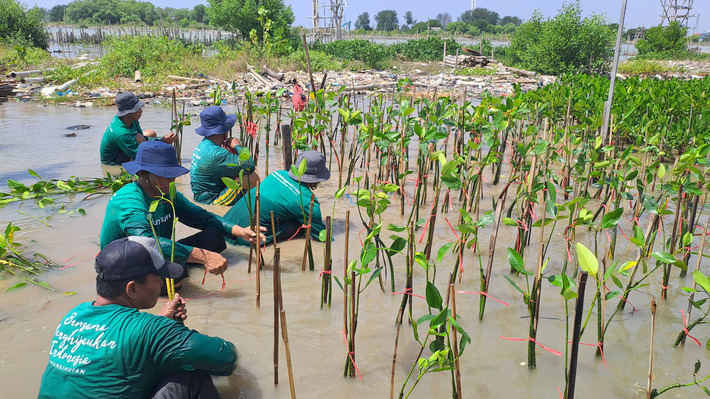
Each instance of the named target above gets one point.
<point>120,139</point>
<point>126,215</point>
<point>210,163</point>
<point>283,195</point>
<point>117,352</point>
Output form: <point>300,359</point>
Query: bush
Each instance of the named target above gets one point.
<point>150,55</point>
<point>564,44</point>
<point>645,67</point>
<point>375,56</point>
<point>429,49</point>
<point>320,61</point>
<point>666,43</point>
<point>20,26</point>
<point>21,57</point>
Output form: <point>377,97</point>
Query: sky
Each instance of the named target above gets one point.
<point>639,12</point>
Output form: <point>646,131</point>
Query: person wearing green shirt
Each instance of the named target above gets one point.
<point>217,157</point>
<point>288,197</point>
<point>109,349</point>
<point>128,210</point>
<point>124,134</point>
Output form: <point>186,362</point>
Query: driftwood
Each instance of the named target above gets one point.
<point>185,78</point>
<point>467,60</point>
<point>6,89</point>
<point>258,77</point>
<point>519,71</point>
<point>265,71</point>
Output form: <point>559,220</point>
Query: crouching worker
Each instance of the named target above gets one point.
<point>109,349</point>
<point>124,134</point>
<point>215,158</point>
<point>127,212</point>
<point>289,197</point>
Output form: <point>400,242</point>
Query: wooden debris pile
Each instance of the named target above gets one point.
<point>469,61</point>
<point>6,87</point>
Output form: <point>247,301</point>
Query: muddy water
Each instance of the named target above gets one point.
<point>32,136</point>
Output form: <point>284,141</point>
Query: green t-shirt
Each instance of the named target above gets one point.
<point>117,352</point>
<point>126,215</point>
<point>210,163</point>
<point>120,139</point>
<point>284,196</point>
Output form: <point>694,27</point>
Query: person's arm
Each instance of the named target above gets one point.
<point>133,220</point>
<point>177,347</point>
<point>128,144</point>
<point>232,164</point>
<point>199,218</point>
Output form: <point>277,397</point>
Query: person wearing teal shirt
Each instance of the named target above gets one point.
<point>127,212</point>
<point>109,349</point>
<point>288,197</point>
<point>215,158</point>
<point>124,134</point>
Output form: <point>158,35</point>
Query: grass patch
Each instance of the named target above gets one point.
<point>477,71</point>
<point>646,67</point>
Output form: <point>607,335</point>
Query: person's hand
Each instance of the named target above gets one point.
<point>215,263</point>
<point>247,234</point>
<point>169,138</point>
<point>139,138</point>
<point>232,143</point>
<point>175,309</point>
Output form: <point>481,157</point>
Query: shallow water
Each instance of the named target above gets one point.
<point>32,136</point>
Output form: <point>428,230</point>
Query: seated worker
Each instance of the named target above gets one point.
<point>127,212</point>
<point>109,349</point>
<point>215,158</point>
<point>284,193</point>
<point>124,134</point>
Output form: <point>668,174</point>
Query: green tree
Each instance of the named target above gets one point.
<point>409,19</point>
<point>363,22</point>
<point>242,17</point>
<point>56,14</point>
<point>22,26</point>
<point>386,20</point>
<point>444,19</point>
<point>662,40</point>
<point>566,43</point>
<point>510,20</point>
<point>491,17</point>
<point>458,26</point>
<point>199,13</point>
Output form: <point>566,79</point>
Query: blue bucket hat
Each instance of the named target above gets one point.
<point>127,103</point>
<point>158,158</point>
<point>316,171</point>
<point>215,121</point>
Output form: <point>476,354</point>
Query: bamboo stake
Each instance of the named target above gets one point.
<point>345,270</point>
<point>327,265</point>
<point>650,356</point>
<point>308,62</point>
<point>284,333</point>
<point>500,205</point>
<point>257,244</point>
<point>308,234</point>
<point>273,231</point>
<point>454,335</point>
<point>277,310</point>
<point>578,316</point>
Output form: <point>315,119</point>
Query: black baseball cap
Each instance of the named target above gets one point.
<point>131,257</point>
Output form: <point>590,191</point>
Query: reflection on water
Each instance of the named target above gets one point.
<point>31,136</point>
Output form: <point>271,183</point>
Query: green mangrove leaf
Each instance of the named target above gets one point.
<point>397,245</point>
<point>516,261</point>
<point>443,250</point>
<point>663,257</point>
<point>587,261</point>
<point>426,317</point>
<point>627,265</point>
<point>395,228</point>
<point>433,297</point>
<point>441,317</point>
<point>375,274</point>
<point>601,164</point>
<point>322,236</point>
<point>702,281</point>
<point>611,219</point>
<point>153,206</point>
<point>340,192</point>
<point>230,183</point>
<point>515,285</point>
<point>173,190</point>
<point>509,222</point>
<point>420,258</point>
<point>612,294</point>
<point>16,286</point>
<point>687,238</point>
<point>390,188</point>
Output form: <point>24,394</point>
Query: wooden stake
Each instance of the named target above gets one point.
<point>327,265</point>
<point>454,336</point>
<point>287,146</point>
<point>308,63</point>
<point>308,233</point>
<point>345,270</point>
<point>650,356</point>
<point>578,316</point>
<point>257,246</point>
<point>284,333</point>
<point>277,309</point>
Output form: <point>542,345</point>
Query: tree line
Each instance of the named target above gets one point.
<point>111,12</point>
<point>471,22</point>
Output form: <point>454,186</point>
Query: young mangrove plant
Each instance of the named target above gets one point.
<point>13,261</point>
<point>439,337</point>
